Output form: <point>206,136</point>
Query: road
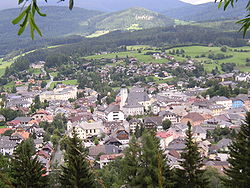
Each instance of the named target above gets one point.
<point>51,79</point>
<point>58,156</point>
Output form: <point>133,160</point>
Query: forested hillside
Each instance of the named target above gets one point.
<point>133,18</point>
<point>60,22</point>
<point>207,12</point>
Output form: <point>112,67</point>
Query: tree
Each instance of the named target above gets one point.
<point>166,124</point>
<point>191,174</point>
<point>13,89</point>
<point>10,114</point>
<point>76,172</point>
<point>239,169</point>
<point>215,177</point>
<point>153,170</point>
<point>110,175</point>
<point>130,163</point>
<point>5,180</point>
<point>246,21</point>
<point>26,170</point>
<point>43,84</point>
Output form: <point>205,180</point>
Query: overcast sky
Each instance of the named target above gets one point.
<point>197,1</point>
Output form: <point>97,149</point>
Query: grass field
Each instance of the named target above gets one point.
<point>3,65</point>
<point>137,47</point>
<point>239,58</point>
<point>134,27</point>
<point>67,82</point>
<point>35,71</point>
<point>98,33</point>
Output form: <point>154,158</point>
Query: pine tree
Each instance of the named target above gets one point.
<point>191,174</point>
<point>130,163</point>
<point>153,171</point>
<point>26,170</point>
<point>239,169</point>
<point>76,171</point>
<point>5,180</point>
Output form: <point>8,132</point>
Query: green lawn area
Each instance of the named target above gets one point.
<point>134,27</point>
<point>9,85</point>
<point>159,80</point>
<point>239,58</point>
<point>35,71</point>
<point>137,47</point>
<point>139,56</point>
<point>54,74</point>
<point>1,127</point>
<point>67,82</point>
<point>98,33</point>
<point>3,65</point>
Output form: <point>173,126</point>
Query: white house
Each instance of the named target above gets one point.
<point>61,94</point>
<point>224,101</point>
<point>242,77</point>
<point>113,113</point>
<point>85,129</point>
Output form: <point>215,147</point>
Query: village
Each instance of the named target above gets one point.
<point>107,127</point>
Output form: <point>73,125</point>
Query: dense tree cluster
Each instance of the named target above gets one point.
<point>227,91</point>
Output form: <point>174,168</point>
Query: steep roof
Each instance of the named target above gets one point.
<point>199,129</point>
<point>105,149</point>
<point>194,116</point>
<point>157,120</point>
<point>112,108</point>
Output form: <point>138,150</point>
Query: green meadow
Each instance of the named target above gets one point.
<point>66,82</point>
<point>3,65</point>
<point>239,58</point>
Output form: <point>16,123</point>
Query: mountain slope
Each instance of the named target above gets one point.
<point>207,12</point>
<point>59,21</point>
<point>133,18</point>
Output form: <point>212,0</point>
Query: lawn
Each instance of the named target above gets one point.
<point>137,47</point>
<point>98,33</point>
<point>239,58</point>
<point>66,82</point>
<point>35,71</point>
<point>9,85</point>
<point>54,74</point>
<point>159,80</point>
<point>3,65</point>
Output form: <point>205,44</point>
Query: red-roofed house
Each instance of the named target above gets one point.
<point>24,134</point>
<point>2,131</point>
<point>13,123</point>
<point>42,115</point>
<point>105,159</point>
<point>165,138</point>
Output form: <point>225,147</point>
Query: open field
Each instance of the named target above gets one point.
<point>98,33</point>
<point>67,82</point>
<point>3,65</point>
<point>35,71</point>
<point>239,58</point>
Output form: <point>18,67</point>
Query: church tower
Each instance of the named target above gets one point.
<point>123,95</point>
